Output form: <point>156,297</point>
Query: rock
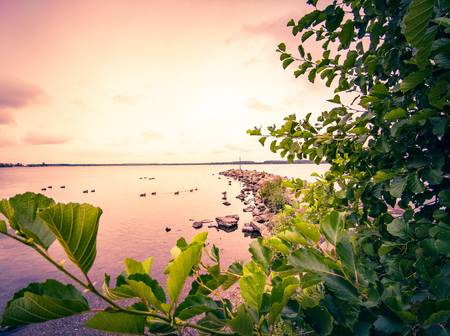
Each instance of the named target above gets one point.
<point>197,225</point>
<point>224,198</point>
<point>264,218</point>
<point>143,195</point>
<point>227,222</point>
<point>168,229</point>
<point>43,189</point>
<point>63,187</point>
<point>176,193</point>
<point>226,203</point>
<point>248,209</point>
<point>93,190</point>
<point>85,191</point>
<point>251,227</point>
<point>240,197</point>
<point>154,193</point>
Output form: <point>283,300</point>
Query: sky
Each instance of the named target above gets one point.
<point>146,80</point>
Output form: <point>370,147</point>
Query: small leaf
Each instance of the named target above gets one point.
<point>395,114</point>
<point>136,267</point>
<point>397,186</point>
<point>262,140</point>
<point>398,228</point>
<point>40,302</point>
<point>194,305</point>
<point>3,228</point>
<point>260,254</point>
<point>332,226</point>
<point>75,226</point>
<point>282,47</point>
<point>118,322</point>
<point>413,80</point>
<point>347,33</point>
<point>307,35</point>
<point>287,62</point>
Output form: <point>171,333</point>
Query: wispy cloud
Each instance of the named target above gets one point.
<point>6,142</point>
<point>15,94</point>
<point>150,135</point>
<point>6,118</point>
<point>258,105</point>
<point>34,138</point>
<point>123,99</point>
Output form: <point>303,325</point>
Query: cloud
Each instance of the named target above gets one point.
<point>7,142</point>
<point>123,99</point>
<point>33,138</point>
<point>238,148</point>
<point>6,118</point>
<point>15,94</point>
<point>257,105</point>
<point>150,135</point>
<point>276,30</point>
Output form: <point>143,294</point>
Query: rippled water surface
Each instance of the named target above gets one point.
<point>131,226</point>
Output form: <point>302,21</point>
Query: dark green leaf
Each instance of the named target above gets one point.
<point>119,322</point>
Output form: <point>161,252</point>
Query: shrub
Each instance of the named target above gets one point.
<point>273,193</point>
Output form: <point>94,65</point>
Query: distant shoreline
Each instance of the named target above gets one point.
<point>34,165</point>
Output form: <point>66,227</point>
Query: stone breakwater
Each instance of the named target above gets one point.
<point>250,197</point>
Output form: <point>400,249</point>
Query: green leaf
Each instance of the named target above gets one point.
<point>252,285</point>
<point>260,254</point>
<point>398,228</point>
<point>444,197</point>
<point>347,33</point>
<point>262,140</point>
<point>136,267</point>
<point>287,62</point>
<point>413,80</point>
<point>40,302</point>
<point>307,35</point>
<point>312,75</point>
<point>308,259</point>
<point>242,323</point>
<point>342,289</point>
<point>416,21</point>
<point>119,322</point>
<point>282,47</point>
<point>415,185</point>
<point>75,226</point>
<point>332,226</point>
<point>281,294</point>
<point>194,305</point>
<point>308,230</point>
<point>320,320</point>
<point>22,214</point>
<point>388,325</point>
<point>344,250</point>
<point>395,114</point>
<point>181,267</point>
<point>3,228</point>
<point>397,186</point>
<point>277,244</point>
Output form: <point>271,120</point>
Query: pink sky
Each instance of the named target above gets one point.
<point>145,81</point>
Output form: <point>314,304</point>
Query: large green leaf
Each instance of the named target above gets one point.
<point>397,186</point>
<point>260,254</point>
<point>75,226</point>
<point>119,322</point>
<point>242,323</point>
<point>344,250</point>
<point>22,214</point>
<point>398,228</point>
<point>41,302</point>
<point>332,226</point>
<point>413,80</point>
<point>180,268</point>
<point>307,259</point>
<point>416,21</point>
<point>252,285</point>
<point>320,320</point>
<point>281,293</point>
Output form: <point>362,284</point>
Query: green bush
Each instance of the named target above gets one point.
<point>273,193</point>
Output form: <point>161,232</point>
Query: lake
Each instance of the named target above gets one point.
<point>131,226</point>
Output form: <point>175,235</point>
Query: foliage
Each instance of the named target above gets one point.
<point>370,253</point>
<point>383,205</point>
<point>273,193</point>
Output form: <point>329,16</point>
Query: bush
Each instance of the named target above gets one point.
<point>273,193</point>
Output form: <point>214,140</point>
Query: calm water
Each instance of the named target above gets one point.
<point>131,226</point>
